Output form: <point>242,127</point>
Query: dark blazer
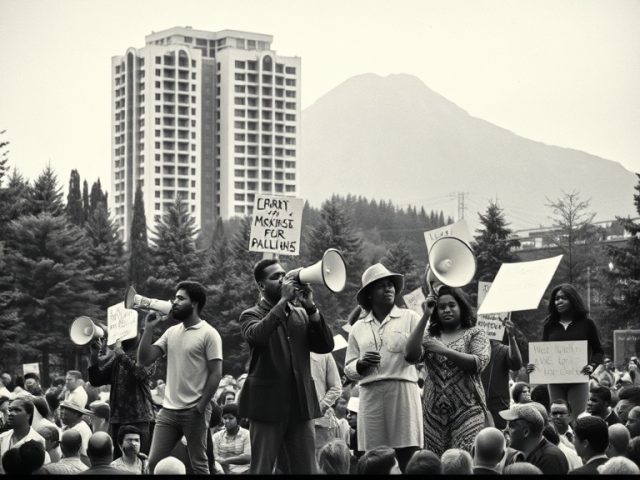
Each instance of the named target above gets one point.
<point>589,468</point>
<point>280,340</point>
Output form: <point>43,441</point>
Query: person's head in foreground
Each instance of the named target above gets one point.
<point>591,437</point>
<point>170,466</point>
<point>524,425</point>
<point>521,468</point>
<point>424,462</point>
<point>379,461</point>
<point>334,458</point>
<point>456,462</point>
<point>489,447</point>
<point>619,466</point>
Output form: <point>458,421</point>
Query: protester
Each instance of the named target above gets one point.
<point>619,439</point>
<point>19,420</point>
<point>334,458</point>
<point>521,392</point>
<point>51,436</point>
<point>488,450</point>
<point>170,466</point>
<point>561,418</point>
<point>41,414</point>
<point>551,434</point>
<point>326,380</point>
<point>424,462</point>
<point>568,321</point>
<point>378,461</point>
<point>522,468</point>
<point>130,395</point>
<point>456,462</point>
<point>4,413</point>
<point>591,442</point>
<point>70,463</point>
<point>232,446</point>
<point>598,405</point>
<point>100,453</point>
<point>540,394</point>
<point>12,463</point>
<point>633,422</point>
<point>278,396</point>
<point>74,391</point>
<point>341,416</point>
<point>5,381</point>
<point>619,466</point>
<point>32,384</point>
<point>605,374</point>
<point>131,461</point>
<point>100,420</point>
<point>633,450</point>
<point>375,358</point>
<point>629,397</point>
<point>33,456</point>
<point>71,417</point>
<point>495,378</point>
<point>525,426</point>
<point>455,353</point>
<point>54,406</point>
<point>192,347</point>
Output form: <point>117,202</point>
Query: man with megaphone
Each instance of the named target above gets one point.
<point>278,396</point>
<point>192,347</point>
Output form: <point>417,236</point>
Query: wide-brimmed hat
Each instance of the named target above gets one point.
<point>75,407</point>
<point>374,273</point>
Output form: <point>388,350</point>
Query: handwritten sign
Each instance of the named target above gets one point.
<point>626,344</point>
<point>275,226</point>
<point>558,362</point>
<point>31,368</point>
<point>339,343</point>
<point>492,323</point>
<point>414,300</point>
<point>122,323</point>
<point>459,230</point>
<point>519,286</point>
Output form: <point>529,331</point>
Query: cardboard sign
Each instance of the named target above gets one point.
<point>558,362</point>
<point>122,323</point>
<point>519,286</point>
<point>276,225</point>
<point>31,368</point>
<point>414,300</point>
<point>492,323</point>
<point>459,230</point>
<point>626,344</point>
<point>339,343</point>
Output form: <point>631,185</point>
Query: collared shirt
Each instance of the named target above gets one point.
<point>226,446</point>
<point>188,350</point>
<point>573,459</point>
<point>597,457</point>
<point>85,433</point>
<point>78,396</point>
<point>566,438</point>
<point>5,443</point>
<point>66,466</point>
<point>138,468</point>
<point>389,338</point>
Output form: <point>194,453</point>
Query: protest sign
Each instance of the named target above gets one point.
<point>339,342</point>
<point>626,344</point>
<point>31,368</point>
<point>459,230</point>
<point>492,323</point>
<point>414,300</point>
<point>122,323</point>
<point>558,362</point>
<point>519,286</point>
<point>275,225</point>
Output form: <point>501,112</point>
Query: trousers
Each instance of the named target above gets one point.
<point>171,425</point>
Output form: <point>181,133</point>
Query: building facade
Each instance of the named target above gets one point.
<point>211,117</point>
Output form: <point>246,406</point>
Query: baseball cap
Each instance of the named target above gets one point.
<point>526,412</point>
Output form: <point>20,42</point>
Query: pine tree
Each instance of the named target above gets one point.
<point>46,194</point>
<point>74,200</point>
<point>4,157</point>
<point>174,254</point>
<point>85,200</point>
<point>96,196</point>
<point>334,230</point>
<point>493,243</point>
<point>398,259</point>
<point>14,200</point>
<point>106,257</point>
<point>51,280</point>
<point>139,251</point>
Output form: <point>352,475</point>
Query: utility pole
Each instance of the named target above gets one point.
<point>461,207</point>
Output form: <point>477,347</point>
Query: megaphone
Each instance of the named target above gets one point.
<point>331,271</point>
<point>452,261</point>
<point>138,302</point>
<point>83,330</point>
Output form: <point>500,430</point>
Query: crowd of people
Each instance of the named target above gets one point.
<point>418,394</point>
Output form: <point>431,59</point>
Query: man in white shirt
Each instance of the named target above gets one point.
<point>71,417</point>
<point>75,392</point>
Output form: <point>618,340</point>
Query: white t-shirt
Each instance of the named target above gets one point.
<point>78,396</point>
<point>188,350</point>
<point>5,443</point>
<point>85,432</point>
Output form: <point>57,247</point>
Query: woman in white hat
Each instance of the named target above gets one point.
<point>390,412</point>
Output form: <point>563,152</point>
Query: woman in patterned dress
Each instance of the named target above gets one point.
<point>455,353</point>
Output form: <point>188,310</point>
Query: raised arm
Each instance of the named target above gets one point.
<point>147,352</point>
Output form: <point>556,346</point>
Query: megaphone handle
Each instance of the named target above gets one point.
<point>430,291</point>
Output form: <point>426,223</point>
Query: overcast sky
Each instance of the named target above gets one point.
<point>564,72</point>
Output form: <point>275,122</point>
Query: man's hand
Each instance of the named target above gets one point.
<point>151,320</point>
<point>305,294</point>
<point>371,359</point>
<point>429,304</point>
<point>530,367</point>
<point>587,370</point>
<point>288,287</point>
<point>509,327</point>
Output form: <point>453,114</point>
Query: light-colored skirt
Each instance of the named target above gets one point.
<point>390,414</point>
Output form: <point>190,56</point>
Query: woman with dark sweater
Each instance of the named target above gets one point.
<point>568,321</point>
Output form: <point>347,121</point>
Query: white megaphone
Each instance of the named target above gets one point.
<point>138,302</point>
<point>331,271</point>
<point>452,262</point>
<point>83,330</point>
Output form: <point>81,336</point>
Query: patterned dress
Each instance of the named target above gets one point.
<point>454,404</point>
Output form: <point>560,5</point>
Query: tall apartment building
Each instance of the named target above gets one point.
<point>213,117</point>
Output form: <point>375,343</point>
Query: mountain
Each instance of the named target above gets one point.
<point>393,138</point>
